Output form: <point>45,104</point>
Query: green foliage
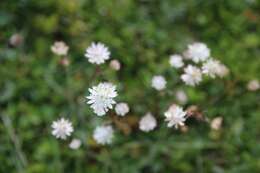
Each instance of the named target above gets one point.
<point>35,89</point>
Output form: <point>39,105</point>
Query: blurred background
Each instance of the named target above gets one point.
<point>38,87</point>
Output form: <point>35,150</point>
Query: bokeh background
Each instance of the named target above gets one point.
<point>36,89</point>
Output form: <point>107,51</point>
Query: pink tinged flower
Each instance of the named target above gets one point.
<point>175,116</point>
<point>60,48</point>
<point>253,85</point>
<point>115,65</point>
<point>216,123</point>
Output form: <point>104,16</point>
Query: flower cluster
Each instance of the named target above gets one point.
<point>195,62</point>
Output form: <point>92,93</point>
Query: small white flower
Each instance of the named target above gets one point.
<point>103,134</point>
<point>176,61</point>
<point>198,52</point>
<point>192,75</point>
<point>158,82</point>
<point>253,85</point>
<point>97,53</point>
<point>147,123</point>
<point>181,97</point>
<point>121,109</point>
<point>222,71</point>
<point>75,144</point>
<point>115,65</point>
<point>101,97</point>
<point>60,48</point>
<point>211,68</point>
<point>175,116</point>
<point>216,123</point>
<point>62,128</point>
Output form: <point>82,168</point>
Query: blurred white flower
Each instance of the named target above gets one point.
<point>181,97</point>
<point>176,61</point>
<point>253,85</point>
<point>97,53</point>
<point>122,109</point>
<point>158,82</point>
<point>101,97</point>
<point>62,128</point>
<point>192,75</point>
<point>198,52</point>
<point>60,48</point>
<point>103,134</point>
<point>75,144</point>
<point>211,68</point>
<point>222,71</point>
<point>115,65</point>
<point>216,123</point>
<point>147,122</point>
<point>175,116</point>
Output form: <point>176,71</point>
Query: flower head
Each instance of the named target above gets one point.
<point>192,75</point>
<point>158,82</point>
<point>101,97</point>
<point>122,109</point>
<point>222,71</point>
<point>75,144</point>
<point>103,134</point>
<point>211,68</point>
<point>198,52</point>
<point>216,123</point>
<point>253,85</point>
<point>181,96</point>
<point>62,128</point>
<point>176,61</point>
<point>147,123</point>
<point>175,116</point>
<point>115,65</point>
<point>60,48</point>
<point>97,53</point>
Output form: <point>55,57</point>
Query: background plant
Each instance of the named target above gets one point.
<point>36,89</point>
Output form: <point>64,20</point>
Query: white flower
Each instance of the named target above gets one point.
<point>103,134</point>
<point>75,144</point>
<point>176,61</point>
<point>192,75</point>
<point>158,82</point>
<point>198,52</point>
<point>147,123</point>
<point>62,128</point>
<point>97,53</point>
<point>115,65</point>
<point>101,97</point>
<point>253,85</point>
<point>121,109</point>
<point>211,68</point>
<point>181,97</point>
<point>222,71</point>
<point>60,48</point>
<point>175,116</point>
<point>216,123</point>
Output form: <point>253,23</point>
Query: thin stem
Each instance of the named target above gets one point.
<point>14,139</point>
